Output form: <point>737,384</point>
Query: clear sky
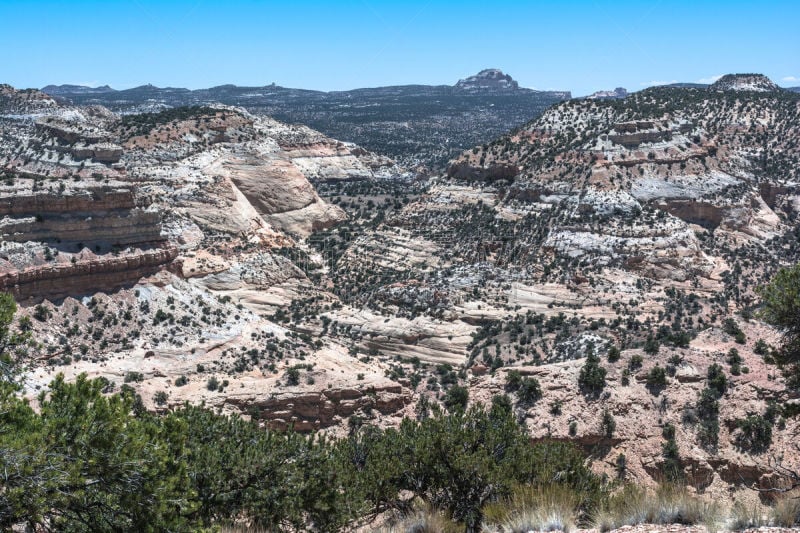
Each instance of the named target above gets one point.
<point>581,46</point>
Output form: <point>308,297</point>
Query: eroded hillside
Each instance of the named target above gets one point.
<point>153,250</point>
<point>636,230</point>
<point>207,254</point>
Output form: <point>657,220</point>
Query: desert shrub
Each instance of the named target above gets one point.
<point>786,512</point>
<point>460,462</point>
<point>651,345</point>
<point>293,376</point>
<point>657,378</point>
<point>708,418</point>
<point>529,391</point>
<point>456,398</point>
<point>668,504</point>
<point>131,377</point>
<point>671,467</point>
<point>613,354</point>
<point>160,397</point>
<point>635,362</point>
<point>781,299</point>
<point>592,377</point>
<point>716,380</point>
<point>513,381</point>
<point>608,424</point>
<point>755,434</point>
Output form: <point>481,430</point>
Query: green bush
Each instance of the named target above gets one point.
<point>755,434</point>
<point>708,417</point>
<point>131,377</point>
<point>513,381</point>
<point>613,354</point>
<point>529,391</point>
<point>635,362</point>
<point>657,378</point>
<point>456,398</point>
<point>460,462</point>
<point>716,380</point>
<point>651,345</point>
<point>592,377</point>
<point>608,424</point>
<point>781,298</point>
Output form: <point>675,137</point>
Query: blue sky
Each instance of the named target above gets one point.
<point>581,45</point>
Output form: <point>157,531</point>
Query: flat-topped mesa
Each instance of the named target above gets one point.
<point>744,82</point>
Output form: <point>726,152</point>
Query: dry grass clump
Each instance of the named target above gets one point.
<point>423,519</point>
<point>746,516</point>
<point>786,512</point>
<point>667,505</point>
<point>548,508</point>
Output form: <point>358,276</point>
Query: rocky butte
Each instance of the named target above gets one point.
<point>491,78</point>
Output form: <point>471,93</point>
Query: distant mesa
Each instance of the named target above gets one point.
<point>490,78</point>
<point>617,94</point>
<point>69,90</point>
<point>744,82</point>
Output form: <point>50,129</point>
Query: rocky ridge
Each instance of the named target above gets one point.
<point>161,264</point>
<point>491,78</point>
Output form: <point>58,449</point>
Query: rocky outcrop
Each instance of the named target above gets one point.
<point>703,214</point>
<point>101,152</point>
<point>617,94</point>
<point>104,215</point>
<point>278,188</point>
<point>488,79</point>
<point>313,410</point>
<point>22,101</point>
<point>84,276</point>
<point>83,199</point>
<point>118,228</point>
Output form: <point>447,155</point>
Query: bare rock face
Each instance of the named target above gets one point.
<point>83,276</point>
<point>641,413</point>
<point>617,94</point>
<point>279,191</point>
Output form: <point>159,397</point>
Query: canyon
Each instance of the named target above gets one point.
<point>215,254</point>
